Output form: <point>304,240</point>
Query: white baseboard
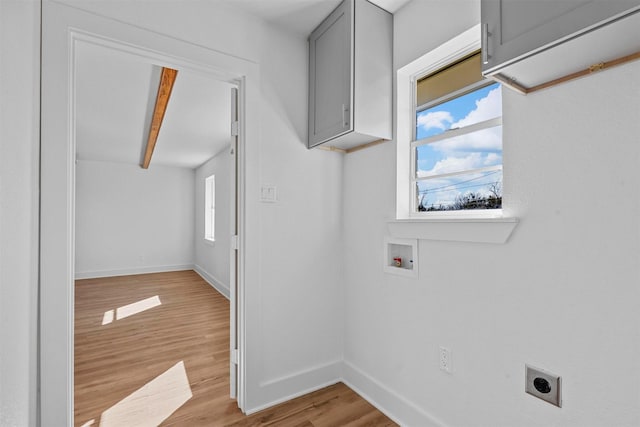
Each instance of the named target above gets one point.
<point>130,271</point>
<point>213,281</point>
<point>303,382</point>
<point>390,403</point>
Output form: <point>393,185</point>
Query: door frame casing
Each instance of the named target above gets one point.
<point>234,250</point>
<point>62,29</point>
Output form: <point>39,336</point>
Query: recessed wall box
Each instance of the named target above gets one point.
<point>401,256</point>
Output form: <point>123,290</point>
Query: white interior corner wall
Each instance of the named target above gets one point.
<point>301,233</point>
<point>292,248</point>
<point>131,220</point>
<point>212,258</point>
<point>19,142</point>
<point>559,295</point>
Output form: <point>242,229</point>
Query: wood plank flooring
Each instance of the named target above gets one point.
<point>153,349</point>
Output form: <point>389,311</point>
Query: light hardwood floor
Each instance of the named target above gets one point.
<point>154,349</point>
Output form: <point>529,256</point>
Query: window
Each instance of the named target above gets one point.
<point>456,149</point>
<point>210,208</point>
<point>432,145</point>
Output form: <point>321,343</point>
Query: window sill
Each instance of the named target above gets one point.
<point>209,242</point>
<point>476,230</point>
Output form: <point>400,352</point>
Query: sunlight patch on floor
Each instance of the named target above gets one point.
<point>107,318</point>
<point>153,403</point>
<point>131,309</point>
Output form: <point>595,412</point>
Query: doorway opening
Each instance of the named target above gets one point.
<point>143,235</point>
<point>65,32</point>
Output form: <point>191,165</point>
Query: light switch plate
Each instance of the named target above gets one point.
<point>268,193</point>
<point>543,385</point>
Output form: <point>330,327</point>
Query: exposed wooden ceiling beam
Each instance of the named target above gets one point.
<point>167,78</point>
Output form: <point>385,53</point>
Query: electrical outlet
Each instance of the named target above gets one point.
<point>543,385</point>
<point>445,360</point>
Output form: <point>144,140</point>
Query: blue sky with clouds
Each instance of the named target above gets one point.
<point>475,150</point>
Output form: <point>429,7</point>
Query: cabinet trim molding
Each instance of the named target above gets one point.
<point>352,149</point>
<point>600,66</point>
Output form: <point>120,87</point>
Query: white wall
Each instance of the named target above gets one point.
<point>212,258</point>
<point>130,220</point>
<point>19,112</point>
<point>561,294</point>
<point>300,234</point>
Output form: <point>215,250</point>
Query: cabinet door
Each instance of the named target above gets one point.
<point>330,50</point>
<point>518,28</point>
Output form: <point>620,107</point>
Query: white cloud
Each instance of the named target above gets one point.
<point>454,164</point>
<point>490,139</point>
<point>468,162</point>
<point>493,159</point>
<point>435,119</point>
<point>482,140</point>
<point>487,108</point>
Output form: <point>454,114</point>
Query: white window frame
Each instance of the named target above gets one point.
<point>407,77</point>
<point>210,208</point>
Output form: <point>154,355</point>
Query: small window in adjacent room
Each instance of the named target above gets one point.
<point>210,208</point>
<point>456,149</point>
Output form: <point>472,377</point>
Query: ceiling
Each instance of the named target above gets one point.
<point>116,92</point>
<point>115,97</point>
<point>300,16</point>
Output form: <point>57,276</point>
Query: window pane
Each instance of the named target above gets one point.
<point>474,107</point>
<point>474,150</point>
<point>209,207</point>
<point>476,190</point>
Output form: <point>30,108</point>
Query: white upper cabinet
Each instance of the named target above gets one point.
<point>350,76</point>
<point>532,42</point>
